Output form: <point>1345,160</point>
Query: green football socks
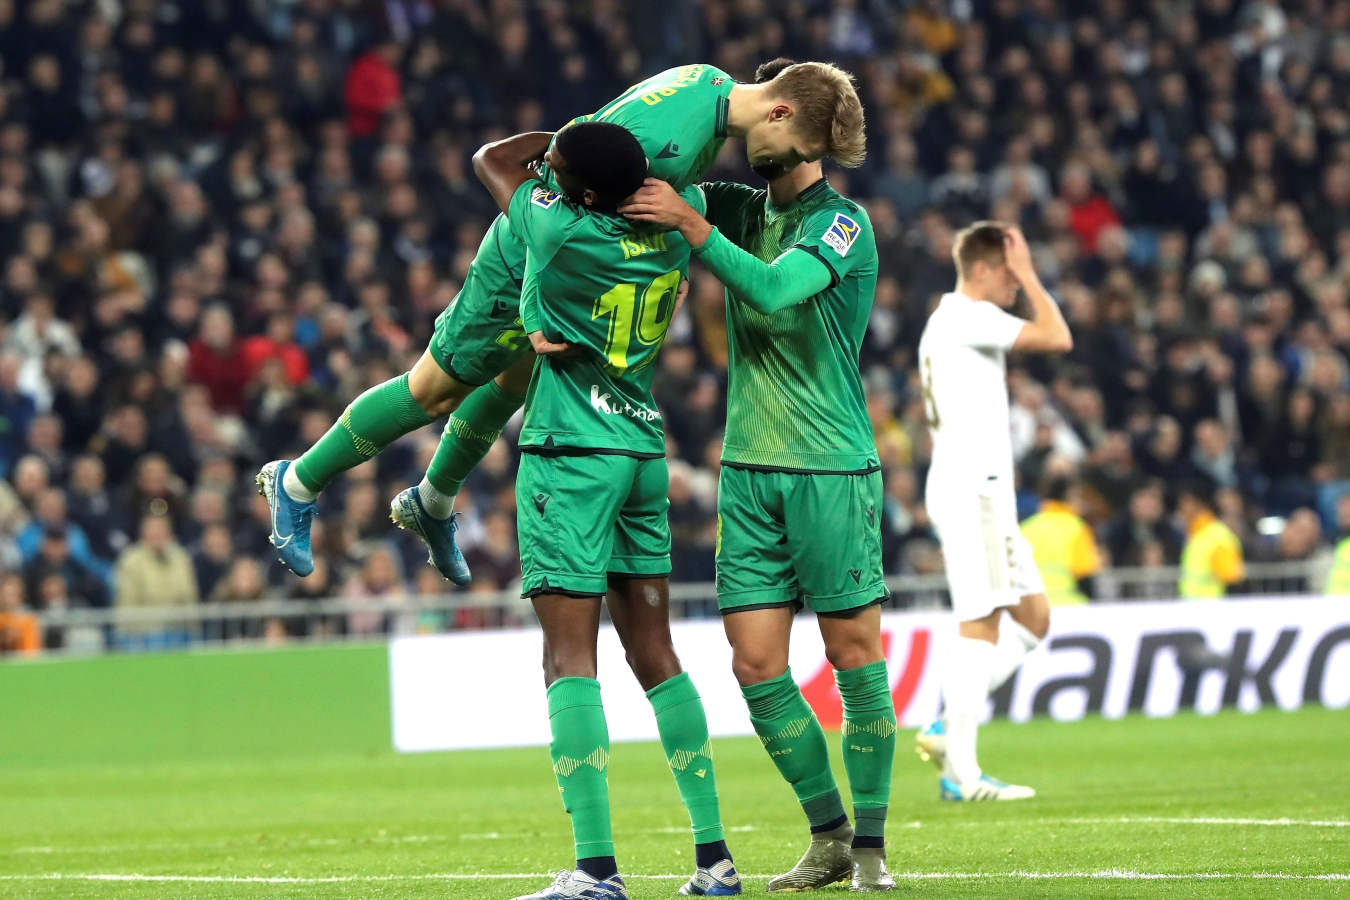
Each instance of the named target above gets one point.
<point>372,422</point>
<point>580,753</point>
<point>869,747</point>
<point>792,735</point>
<point>684,736</point>
<point>469,434</point>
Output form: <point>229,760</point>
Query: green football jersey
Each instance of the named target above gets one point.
<point>795,397</point>
<point>679,116</point>
<point>593,282</point>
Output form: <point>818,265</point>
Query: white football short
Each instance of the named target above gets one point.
<point>990,565</point>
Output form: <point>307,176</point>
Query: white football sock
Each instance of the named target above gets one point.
<point>1014,643</point>
<point>965,689</point>
<point>437,505</point>
<point>295,488</point>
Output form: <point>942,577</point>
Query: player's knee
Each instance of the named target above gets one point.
<point>567,662</point>
<point>653,663</point>
<point>438,399</point>
<point>750,668</point>
<point>852,652</point>
<point>439,407</point>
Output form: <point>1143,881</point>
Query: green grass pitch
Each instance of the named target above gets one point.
<point>322,809</point>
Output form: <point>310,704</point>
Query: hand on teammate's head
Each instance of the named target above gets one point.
<point>655,203</point>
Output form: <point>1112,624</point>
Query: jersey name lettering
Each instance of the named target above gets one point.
<point>638,244</point>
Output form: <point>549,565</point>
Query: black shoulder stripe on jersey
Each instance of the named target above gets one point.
<point>820,185</point>
<point>723,113</point>
<point>815,251</point>
<point>514,280</point>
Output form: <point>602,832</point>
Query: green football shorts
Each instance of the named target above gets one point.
<point>581,518</point>
<point>479,335</point>
<point>788,539</point>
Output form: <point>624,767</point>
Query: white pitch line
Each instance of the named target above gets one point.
<point>1207,820</point>
<point>1105,874</point>
<point>516,835</point>
<point>1142,820</point>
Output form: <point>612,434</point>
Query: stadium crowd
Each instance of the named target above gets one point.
<point>221,220</point>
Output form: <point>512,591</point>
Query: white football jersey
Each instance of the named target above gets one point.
<point>965,392</point>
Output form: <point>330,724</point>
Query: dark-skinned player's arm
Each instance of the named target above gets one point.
<point>794,276</point>
<point>504,165</point>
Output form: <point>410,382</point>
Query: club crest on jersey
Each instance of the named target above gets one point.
<point>718,80</point>
<point>544,197</point>
<point>841,234</point>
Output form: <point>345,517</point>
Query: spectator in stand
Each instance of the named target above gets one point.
<point>50,517</point>
<point>243,583</point>
<point>1142,535</point>
<point>154,572</point>
<point>496,555</point>
<point>377,581</point>
<point>373,87</point>
<point>211,557</point>
<point>19,632</point>
<point>216,360</point>
<point>17,409</point>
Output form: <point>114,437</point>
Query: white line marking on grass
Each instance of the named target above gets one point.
<point>1104,874</point>
<point>273,843</point>
<point>1147,820</point>
<point>1207,820</point>
<point>516,835</point>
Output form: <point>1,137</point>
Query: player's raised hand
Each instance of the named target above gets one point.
<point>656,203</point>
<point>544,347</point>
<point>1019,256</point>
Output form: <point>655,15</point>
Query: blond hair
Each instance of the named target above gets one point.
<point>979,242</point>
<point>827,109</point>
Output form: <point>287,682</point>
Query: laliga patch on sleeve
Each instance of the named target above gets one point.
<point>543,197</point>
<point>841,234</point>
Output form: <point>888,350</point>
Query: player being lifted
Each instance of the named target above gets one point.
<point>990,566</point>
<point>799,496</point>
<point>478,363</point>
<point>591,490</point>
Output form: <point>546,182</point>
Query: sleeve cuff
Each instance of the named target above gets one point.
<point>815,251</point>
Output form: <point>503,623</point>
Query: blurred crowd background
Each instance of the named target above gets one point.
<point>220,220</point>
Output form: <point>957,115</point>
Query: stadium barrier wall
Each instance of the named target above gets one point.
<point>485,689</point>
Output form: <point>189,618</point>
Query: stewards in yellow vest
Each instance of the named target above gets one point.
<point>1063,544</point>
<point>1211,561</point>
<point>1338,582</point>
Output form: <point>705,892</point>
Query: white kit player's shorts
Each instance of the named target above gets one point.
<point>989,563</point>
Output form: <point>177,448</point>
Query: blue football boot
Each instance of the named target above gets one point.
<point>290,519</point>
<point>718,880</point>
<point>406,511</point>
<point>987,788</point>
